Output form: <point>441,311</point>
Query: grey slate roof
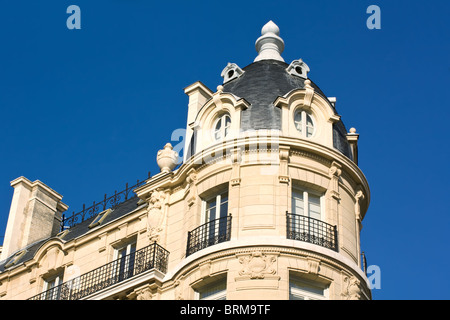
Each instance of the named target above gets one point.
<point>264,81</point>
<point>76,231</point>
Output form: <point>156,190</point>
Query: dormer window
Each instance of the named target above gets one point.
<point>14,258</point>
<point>62,234</point>
<point>304,123</point>
<point>99,218</point>
<point>222,127</point>
<point>231,72</point>
<point>298,68</point>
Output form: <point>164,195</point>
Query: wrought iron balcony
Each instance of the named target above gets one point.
<point>151,257</point>
<point>311,230</point>
<point>208,234</point>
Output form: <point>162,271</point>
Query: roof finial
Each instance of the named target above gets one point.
<point>269,45</point>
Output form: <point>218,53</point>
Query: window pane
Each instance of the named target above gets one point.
<point>309,120</point>
<point>219,125</point>
<point>314,206</point>
<point>217,289</point>
<point>309,126</point>
<point>298,121</point>
<point>224,205</point>
<point>227,121</point>
<point>305,290</point>
<point>297,202</point>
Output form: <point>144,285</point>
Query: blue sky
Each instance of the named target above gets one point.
<point>85,111</point>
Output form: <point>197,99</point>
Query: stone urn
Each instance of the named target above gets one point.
<point>167,158</point>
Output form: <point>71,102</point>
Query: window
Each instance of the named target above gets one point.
<point>222,127</point>
<point>215,215</point>
<point>306,204</point>
<point>52,287</point>
<point>302,289</point>
<point>215,218</point>
<point>124,258</point>
<point>216,290</point>
<point>216,207</point>
<point>62,234</point>
<point>14,258</point>
<point>304,123</point>
<point>99,218</point>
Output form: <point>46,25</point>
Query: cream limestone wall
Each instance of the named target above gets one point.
<point>258,261</point>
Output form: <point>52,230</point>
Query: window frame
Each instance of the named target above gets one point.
<point>304,123</point>
<point>306,192</point>
<point>12,261</point>
<point>224,129</point>
<point>218,213</point>
<point>99,218</point>
<point>303,292</point>
<point>118,269</point>
<point>219,295</point>
<point>56,280</point>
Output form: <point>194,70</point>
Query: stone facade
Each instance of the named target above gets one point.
<point>251,179</point>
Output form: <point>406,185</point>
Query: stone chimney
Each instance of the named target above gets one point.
<point>35,214</point>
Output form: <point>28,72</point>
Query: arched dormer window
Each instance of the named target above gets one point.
<point>304,123</point>
<point>222,127</point>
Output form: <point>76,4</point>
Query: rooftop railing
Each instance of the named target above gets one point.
<point>311,230</point>
<point>97,207</point>
<point>151,257</point>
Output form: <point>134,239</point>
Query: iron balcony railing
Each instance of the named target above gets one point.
<point>311,230</point>
<point>208,234</point>
<point>151,257</point>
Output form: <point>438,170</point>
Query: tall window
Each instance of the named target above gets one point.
<point>301,289</point>
<point>124,257</point>
<point>306,204</point>
<point>52,287</point>
<point>222,127</point>
<point>304,123</point>
<point>216,208</point>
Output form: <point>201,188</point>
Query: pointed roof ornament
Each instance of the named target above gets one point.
<point>269,45</point>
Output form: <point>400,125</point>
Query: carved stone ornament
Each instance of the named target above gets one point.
<point>178,290</point>
<point>155,214</point>
<point>191,180</point>
<point>257,265</point>
<point>359,196</point>
<point>167,158</point>
<point>144,294</point>
<point>334,173</point>
<point>351,288</point>
<point>309,93</point>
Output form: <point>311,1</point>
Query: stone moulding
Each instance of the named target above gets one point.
<point>277,248</point>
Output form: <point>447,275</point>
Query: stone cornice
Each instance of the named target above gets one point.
<point>303,147</point>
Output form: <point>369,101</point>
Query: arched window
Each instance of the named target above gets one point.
<point>304,123</point>
<point>222,127</point>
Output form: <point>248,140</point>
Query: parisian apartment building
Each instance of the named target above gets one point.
<point>267,203</point>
